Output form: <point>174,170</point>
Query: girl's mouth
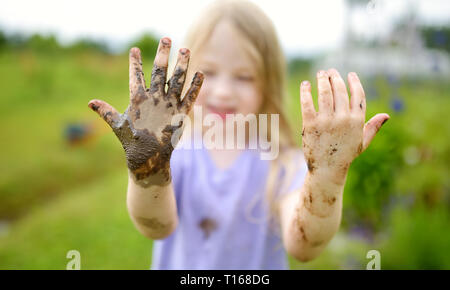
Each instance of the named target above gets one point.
<point>221,111</point>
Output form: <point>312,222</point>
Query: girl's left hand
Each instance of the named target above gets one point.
<point>335,135</point>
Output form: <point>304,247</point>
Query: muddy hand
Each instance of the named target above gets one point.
<point>335,135</point>
<point>146,128</point>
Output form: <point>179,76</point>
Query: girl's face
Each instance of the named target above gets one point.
<point>230,85</point>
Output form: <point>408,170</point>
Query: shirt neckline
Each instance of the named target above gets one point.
<point>228,169</point>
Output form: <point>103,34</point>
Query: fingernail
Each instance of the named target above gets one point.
<point>321,73</point>
<point>354,75</point>
<point>136,52</point>
<point>93,107</point>
<point>305,83</point>
<point>198,78</point>
<point>165,40</point>
<point>184,51</point>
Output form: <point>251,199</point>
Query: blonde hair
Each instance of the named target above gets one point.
<point>262,45</point>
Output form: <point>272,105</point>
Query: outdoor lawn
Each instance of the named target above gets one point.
<point>56,196</point>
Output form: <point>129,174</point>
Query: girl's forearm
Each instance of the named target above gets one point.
<point>152,209</point>
<point>315,213</point>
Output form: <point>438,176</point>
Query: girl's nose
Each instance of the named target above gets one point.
<point>222,90</point>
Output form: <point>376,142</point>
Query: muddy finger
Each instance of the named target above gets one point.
<point>137,81</point>
<point>325,93</point>
<point>191,95</point>
<point>306,101</point>
<point>106,111</point>
<point>159,72</point>
<point>178,78</point>
<point>341,102</point>
<point>358,97</point>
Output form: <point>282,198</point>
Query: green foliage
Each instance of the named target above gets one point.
<point>91,218</point>
<point>298,65</point>
<point>372,176</point>
<point>88,45</point>
<point>417,239</point>
<point>49,44</point>
<point>60,197</point>
<point>437,37</point>
<point>148,44</point>
<point>42,43</point>
<point>3,40</point>
<point>43,94</point>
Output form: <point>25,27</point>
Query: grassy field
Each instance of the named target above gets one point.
<point>91,219</point>
<point>55,197</point>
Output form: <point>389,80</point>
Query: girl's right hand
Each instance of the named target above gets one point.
<point>145,128</point>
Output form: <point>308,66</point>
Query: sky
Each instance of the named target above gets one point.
<point>304,27</point>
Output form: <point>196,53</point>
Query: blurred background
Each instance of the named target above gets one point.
<point>63,175</point>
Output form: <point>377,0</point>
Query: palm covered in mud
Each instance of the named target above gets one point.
<point>145,129</point>
<point>336,134</point>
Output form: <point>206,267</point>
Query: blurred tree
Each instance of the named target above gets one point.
<point>372,178</point>
<point>299,64</point>
<point>86,44</point>
<point>417,239</point>
<point>15,40</point>
<point>437,37</point>
<point>3,40</point>
<point>39,42</point>
<point>148,44</point>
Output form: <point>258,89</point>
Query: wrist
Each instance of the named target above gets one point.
<point>335,174</point>
<point>151,174</point>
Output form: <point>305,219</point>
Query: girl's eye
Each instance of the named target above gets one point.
<point>245,78</point>
<point>209,73</point>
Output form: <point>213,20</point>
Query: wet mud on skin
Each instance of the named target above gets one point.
<point>300,228</point>
<point>313,206</point>
<point>146,155</point>
<point>310,161</point>
<point>310,164</point>
<point>317,244</point>
<point>333,149</point>
<point>151,223</point>
<point>302,231</point>
<point>158,77</point>
<point>321,154</point>
<point>329,200</point>
<point>108,116</point>
<point>139,97</point>
<point>145,129</point>
<point>176,83</point>
<point>148,152</point>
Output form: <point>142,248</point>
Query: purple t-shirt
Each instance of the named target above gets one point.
<point>223,219</point>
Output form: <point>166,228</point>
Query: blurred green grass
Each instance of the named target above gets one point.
<point>91,219</point>
<point>42,94</point>
<point>57,197</point>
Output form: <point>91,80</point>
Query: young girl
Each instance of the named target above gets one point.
<point>214,208</point>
